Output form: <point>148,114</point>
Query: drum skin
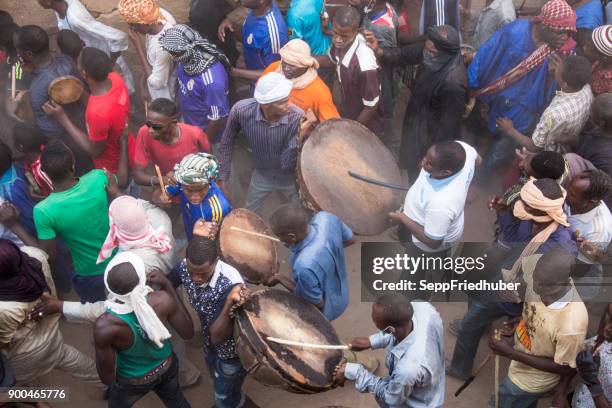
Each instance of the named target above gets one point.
<point>254,257</point>
<point>281,314</point>
<point>66,89</point>
<point>335,147</point>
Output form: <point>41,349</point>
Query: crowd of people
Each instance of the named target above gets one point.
<point>117,198</point>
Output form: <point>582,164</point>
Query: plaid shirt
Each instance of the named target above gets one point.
<point>563,120</point>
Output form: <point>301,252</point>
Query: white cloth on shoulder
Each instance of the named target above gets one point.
<point>136,300</point>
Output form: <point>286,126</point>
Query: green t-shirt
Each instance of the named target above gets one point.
<point>79,216</point>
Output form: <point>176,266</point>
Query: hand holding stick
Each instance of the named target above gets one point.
<point>161,183</point>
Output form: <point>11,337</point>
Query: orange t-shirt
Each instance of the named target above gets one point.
<point>315,96</point>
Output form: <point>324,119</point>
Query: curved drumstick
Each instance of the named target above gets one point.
<point>308,345</point>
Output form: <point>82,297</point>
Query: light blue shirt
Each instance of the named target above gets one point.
<point>416,365</point>
<point>318,265</point>
<point>304,22</point>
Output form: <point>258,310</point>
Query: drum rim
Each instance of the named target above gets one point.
<point>261,347</point>
<point>306,196</point>
<point>63,78</point>
<point>236,212</point>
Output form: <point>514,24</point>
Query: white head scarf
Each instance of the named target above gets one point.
<point>272,87</point>
<point>136,300</point>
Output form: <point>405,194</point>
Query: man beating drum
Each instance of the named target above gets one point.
<point>317,262</point>
<point>412,332</point>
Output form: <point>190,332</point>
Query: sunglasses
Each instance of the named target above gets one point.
<point>155,126</point>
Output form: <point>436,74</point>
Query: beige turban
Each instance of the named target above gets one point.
<point>297,53</point>
<point>140,11</point>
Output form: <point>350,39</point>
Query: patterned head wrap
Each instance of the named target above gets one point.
<point>602,37</point>
<point>196,54</point>
<point>198,168</point>
<point>557,14</point>
<point>140,11</point>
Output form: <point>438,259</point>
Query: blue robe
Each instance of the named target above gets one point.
<point>523,101</point>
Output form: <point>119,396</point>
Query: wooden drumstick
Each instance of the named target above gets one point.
<point>308,345</point>
<point>256,234</point>
<point>13,82</point>
<point>161,182</point>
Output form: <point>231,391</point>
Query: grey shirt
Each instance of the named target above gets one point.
<point>492,18</point>
<point>416,365</point>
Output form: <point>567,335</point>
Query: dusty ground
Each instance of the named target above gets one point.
<point>354,322</point>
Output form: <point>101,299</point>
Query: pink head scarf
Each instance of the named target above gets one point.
<point>130,229</point>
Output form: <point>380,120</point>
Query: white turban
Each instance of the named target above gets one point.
<point>136,300</point>
<point>272,87</point>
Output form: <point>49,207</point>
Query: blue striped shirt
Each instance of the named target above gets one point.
<point>274,145</point>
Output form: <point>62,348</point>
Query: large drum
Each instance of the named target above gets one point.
<point>65,89</point>
<point>335,147</point>
<point>280,314</point>
<point>254,256</point>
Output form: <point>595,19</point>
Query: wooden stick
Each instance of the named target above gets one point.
<point>256,234</point>
<point>497,337</point>
<point>13,82</point>
<point>308,345</point>
<point>146,106</point>
<point>471,378</point>
<point>161,182</point>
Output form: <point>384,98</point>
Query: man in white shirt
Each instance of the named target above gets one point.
<point>432,216</point>
<point>72,15</point>
<point>591,223</point>
<point>431,221</point>
<point>148,19</point>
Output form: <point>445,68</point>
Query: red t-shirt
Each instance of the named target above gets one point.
<point>148,150</point>
<point>106,117</point>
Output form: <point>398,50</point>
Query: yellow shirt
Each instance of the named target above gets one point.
<point>555,331</point>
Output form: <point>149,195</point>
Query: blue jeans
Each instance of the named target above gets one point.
<point>228,376</point>
<point>264,182</point>
<point>511,396</point>
<point>479,315</point>
<point>124,395</point>
<point>89,288</point>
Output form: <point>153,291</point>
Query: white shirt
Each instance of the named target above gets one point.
<point>595,226</point>
<point>162,81</point>
<point>97,35</point>
<point>438,205</point>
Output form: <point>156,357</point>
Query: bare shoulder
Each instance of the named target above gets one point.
<point>107,327</point>
<point>161,302</point>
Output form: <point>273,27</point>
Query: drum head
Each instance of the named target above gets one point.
<point>66,89</point>
<point>335,147</point>
<point>280,314</point>
<point>253,256</point>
